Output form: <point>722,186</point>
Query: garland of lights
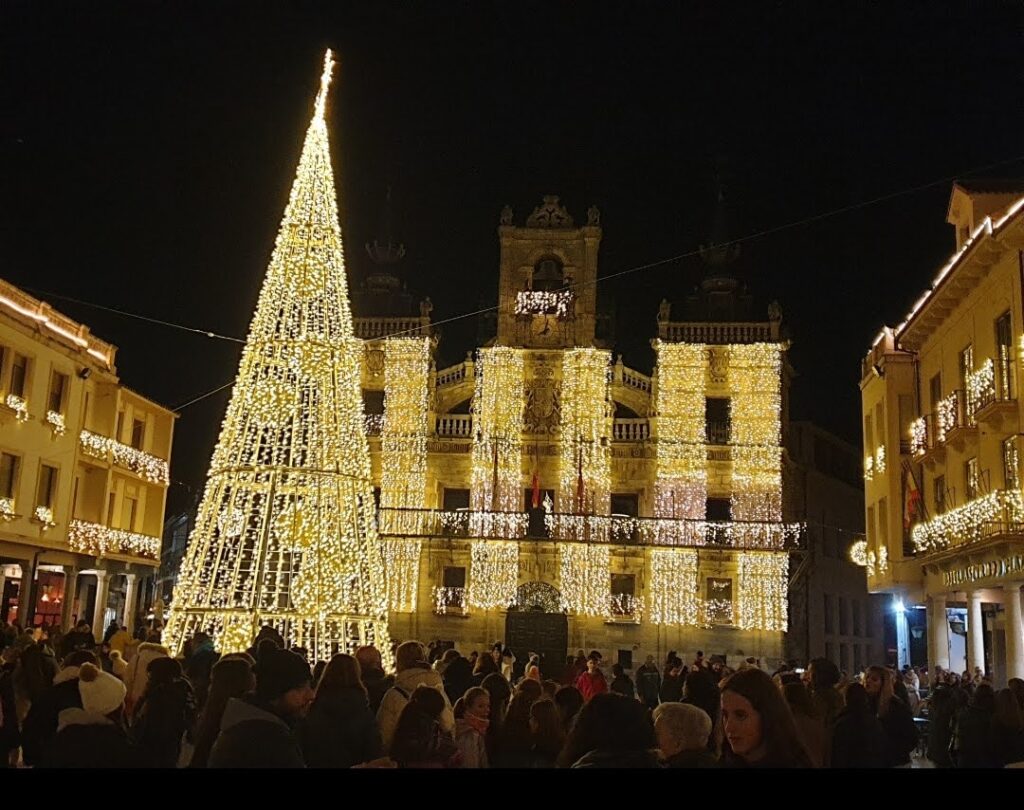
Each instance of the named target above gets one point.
<point>18,405</point>
<point>493,574</point>
<point>624,606</point>
<point>672,587</point>
<point>585,460</point>
<point>56,421</point>
<point>585,574</point>
<point>946,416</point>
<point>292,455</point>
<point>869,467</point>
<point>143,464</point>
<point>7,509</point>
<point>538,302</point>
<point>404,457</point>
<point>967,523</point>
<point>880,459</point>
<point>44,515</point>
<point>981,386</point>
<point>99,540</point>
<point>763,584</point>
<point>681,485</point>
<point>918,436</point>
<point>447,598</point>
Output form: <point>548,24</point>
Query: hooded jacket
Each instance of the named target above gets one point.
<point>398,695</point>
<point>137,676</point>
<point>340,730</point>
<point>252,737</point>
<point>89,740</point>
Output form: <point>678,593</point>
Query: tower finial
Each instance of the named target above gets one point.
<point>325,83</point>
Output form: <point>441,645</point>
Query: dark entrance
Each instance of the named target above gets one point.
<point>536,624</point>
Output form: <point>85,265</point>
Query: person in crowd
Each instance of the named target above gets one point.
<point>340,730</point>
<point>700,690</point>
<point>1007,729</point>
<point>413,671</point>
<point>485,666</point>
<point>165,713</point>
<point>683,732</point>
<point>941,719</point>
<point>575,669</point>
<point>672,683</point>
<point>858,739</point>
<point>472,718</point>
<point>457,678</point>
<point>569,701</point>
<point>546,734</point>
<point>420,739</point>
<point>232,677</point>
<point>592,682</point>
<point>138,671</point>
<point>40,726</point>
<point>759,727</point>
<point>119,641</point>
<point>265,632</point>
<point>442,663</point>
<point>699,662</point>
<point>1016,686</point>
<point>894,714</point>
<point>621,682</point>
<point>93,735</point>
<point>500,693</point>
<point>550,688</point>
<point>822,676</point>
<point>975,739</point>
<point>612,731</point>
<point>515,742</point>
<point>199,665</point>
<point>372,671</point>
<point>257,731</point>
<point>809,724</point>
<point>10,730</point>
<point>111,630</point>
<point>648,683</point>
<point>508,664</point>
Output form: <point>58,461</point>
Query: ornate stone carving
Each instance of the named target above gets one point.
<point>506,215</point>
<point>774,311</point>
<point>375,361</point>
<point>543,404</point>
<point>664,311</point>
<point>538,596</point>
<point>718,363</point>
<point>550,214</point>
<point>426,307</point>
<point>593,215</point>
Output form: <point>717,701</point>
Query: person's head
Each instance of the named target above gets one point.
<point>546,723</point>
<point>499,690</point>
<point>533,673</point>
<point>408,655</point>
<point>549,688</point>
<point>450,655</point>
<point>984,698</point>
<point>477,702</point>
<point>649,661</point>
<point>284,683</point>
<point>1008,713</point>
<point>593,665</point>
<point>700,655</point>
<point>496,654</point>
<point>341,672</point>
<point>82,626</point>
<point>617,670</point>
<point>856,699</point>
<point>758,723</point>
<point>530,688</point>
<point>415,733</point>
<point>612,723</point>
<point>822,674</point>
<point>161,671</point>
<point>101,692</point>
<point>799,700</point>
<point>878,685</point>
<point>369,658</point>
<point>78,657</point>
<point>700,689</point>
<point>681,727</point>
<point>485,665</point>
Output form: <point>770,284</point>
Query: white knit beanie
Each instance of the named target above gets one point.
<point>101,692</point>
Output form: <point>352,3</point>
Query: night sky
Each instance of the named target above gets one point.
<point>147,150</point>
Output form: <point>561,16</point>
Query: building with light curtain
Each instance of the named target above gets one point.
<point>543,494</point>
<point>83,473</point>
<point>942,424</point>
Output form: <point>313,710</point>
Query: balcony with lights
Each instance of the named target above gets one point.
<point>992,391</point>
<point>993,521</point>
<point>144,465</point>
<point>955,421</point>
<point>450,602</point>
<point>925,447</point>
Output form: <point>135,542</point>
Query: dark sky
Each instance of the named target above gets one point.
<point>147,149</point>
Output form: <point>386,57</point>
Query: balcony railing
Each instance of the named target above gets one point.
<point>631,378</point>
<point>631,430</point>
<point>379,328</point>
<point>455,426</point>
<point>974,521</point>
<point>99,540</point>
<point>141,463</point>
<point>374,424</point>
<point>717,433</point>
<point>453,375</point>
<point>620,529</point>
<point>952,413</point>
<point>719,333</point>
<point>450,601</point>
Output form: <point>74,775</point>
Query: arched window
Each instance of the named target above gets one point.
<point>548,275</point>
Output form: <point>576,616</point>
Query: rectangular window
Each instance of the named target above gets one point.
<point>717,420</point>
<point>47,490</point>
<point>870,528</point>
<point>844,625</point>
<point>627,503</point>
<point>58,392</point>
<point>830,651</point>
<point>869,437</point>
<point>1011,464</point>
<point>879,424</point>
<point>855,613</point>
<point>844,657</point>
<point>119,430</point>
<point>129,511</point>
<point>718,600</point>
<point>110,509</point>
<point>970,479</point>
<point>1004,357</point>
<point>830,620</point>
<point>719,509</point>
<point>138,433</point>
<point>454,581</point>
<point>455,499</point>
<point>19,374</point>
<point>74,497</point>
<point>623,594</point>
<point>8,475</point>
<point>939,494</point>
<point>935,390</point>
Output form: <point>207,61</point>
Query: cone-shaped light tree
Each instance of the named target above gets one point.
<point>285,534</point>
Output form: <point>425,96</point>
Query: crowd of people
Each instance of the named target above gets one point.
<point>128,702</point>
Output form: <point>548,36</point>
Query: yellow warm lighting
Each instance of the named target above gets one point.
<point>585,467</point>
<point>672,587</point>
<point>755,374</point>
<point>493,574</point>
<point>141,463</point>
<point>292,456</point>
<point>585,574</point>
<point>98,540</point>
<point>763,584</point>
<point>970,521</point>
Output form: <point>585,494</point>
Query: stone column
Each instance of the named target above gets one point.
<point>100,608</point>
<point>27,593</point>
<point>70,586</point>
<point>1014,632</point>
<point>938,632</point>
<point>975,632</point>
<point>129,602</point>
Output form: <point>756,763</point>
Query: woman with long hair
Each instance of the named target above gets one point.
<point>611,731</point>
<point>858,740</point>
<point>546,733</point>
<point>164,714</point>
<point>515,743</point>
<point>809,723</point>
<point>759,727</point>
<point>340,730</point>
<point>232,677</point>
<point>484,666</point>
<point>501,693</point>
<point>472,717</point>
<point>975,746</point>
<point>897,721</point>
<point>569,701</point>
<point>419,740</point>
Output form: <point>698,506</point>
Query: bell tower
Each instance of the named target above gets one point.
<point>547,296</point>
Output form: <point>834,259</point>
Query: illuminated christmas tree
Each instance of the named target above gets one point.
<point>285,534</point>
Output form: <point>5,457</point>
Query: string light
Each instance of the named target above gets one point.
<point>859,553</point>
<point>981,386</point>
<point>493,574</point>
<point>56,421</point>
<point>449,600</point>
<point>292,455</point>
<point>537,302</point>
<point>918,436</point>
<point>763,583</point>
<point>585,575</point>
<point>18,405</point>
<point>99,540</point>
<point>44,515</point>
<point>7,509</point>
<point>402,570</point>
<point>967,523</point>
<point>585,451</point>
<point>880,459</point>
<point>141,463</point>
<point>869,467</point>
<point>672,587</point>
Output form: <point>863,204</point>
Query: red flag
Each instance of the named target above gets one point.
<point>535,499</point>
<point>911,498</point>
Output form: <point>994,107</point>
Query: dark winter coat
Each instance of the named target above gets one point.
<point>900,733</point>
<point>858,741</point>
<point>1007,744</point>
<point>648,684</point>
<point>624,686</point>
<point>198,668</point>
<point>975,747</point>
<point>253,737</point>
<point>618,759</point>
<point>76,640</point>
<point>377,685</point>
<point>940,732</point>
<point>692,759</point>
<point>10,736</point>
<point>40,726</point>
<point>672,688</point>
<point>88,740</point>
<point>340,730</point>
<point>161,719</point>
